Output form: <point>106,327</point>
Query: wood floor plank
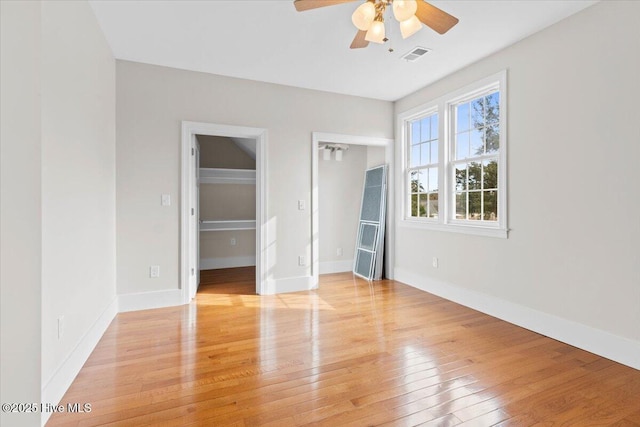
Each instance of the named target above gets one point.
<point>352,353</point>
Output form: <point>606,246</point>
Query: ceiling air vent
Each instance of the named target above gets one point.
<point>415,54</point>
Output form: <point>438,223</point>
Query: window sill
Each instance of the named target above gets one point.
<point>455,228</point>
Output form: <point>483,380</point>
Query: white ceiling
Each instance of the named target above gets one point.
<point>269,41</point>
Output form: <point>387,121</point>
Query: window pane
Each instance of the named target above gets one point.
<point>415,132</point>
<point>433,205</point>
<point>477,142</point>
<point>414,205</point>
<point>475,205</point>
<point>490,174</point>
<point>474,176</point>
<point>434,151</point>
<point>415,181</point>
<point>490,205</point>
<point>423,205</point>
<point>492,133</point>
<point>461,205</point>
<point>492,107</point>
<point>424,177</point>
<point>424,129</point>
<point>462,117</point>
<point>415,155</point>
<point>461,177</point>
<point>462,145</point>
<point>424,153</point>
<point>433,180</point>
<point>434,126</point>
<point>477,113</point>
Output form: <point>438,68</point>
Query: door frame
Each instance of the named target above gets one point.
<point>318,138</point>
<point>187,261</point>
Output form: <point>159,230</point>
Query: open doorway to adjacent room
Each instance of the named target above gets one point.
<point>339,163</point>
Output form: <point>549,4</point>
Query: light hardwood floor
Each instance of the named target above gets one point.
<point>352,353</point>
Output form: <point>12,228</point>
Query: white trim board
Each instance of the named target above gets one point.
<point>149,300</point>
<point>58,384</point>
<point>605,344</point>
<point>289,284</point>
<point>318,138</point>
<point>227,262</point>
<point>329,267</point>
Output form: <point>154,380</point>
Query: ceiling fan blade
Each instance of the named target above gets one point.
<point>302,5</point>
<point>432,17</point>
<point>359,41</point>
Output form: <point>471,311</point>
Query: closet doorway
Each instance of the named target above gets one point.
<point>226,191</point>
<point>223,202</point>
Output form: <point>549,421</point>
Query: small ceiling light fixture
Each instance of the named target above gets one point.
<point>327,149</point>
<point>326,153</point>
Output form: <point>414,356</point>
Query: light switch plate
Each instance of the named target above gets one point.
<point>166,200</point>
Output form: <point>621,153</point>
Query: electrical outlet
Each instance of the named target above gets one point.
<point>233,241</point>
<point>60,327</point>
<point>154,271</point>
<point>339,252</point>
<point>166,200</point>
<point>301,205</point>
<point>434,262</point>
<point>302,261</point>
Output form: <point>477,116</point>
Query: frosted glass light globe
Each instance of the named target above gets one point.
<point>404,9</point>
<point>410,27</point>
<point>363,16</point>
<point>376,32</point>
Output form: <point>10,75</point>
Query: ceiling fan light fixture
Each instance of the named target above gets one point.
<point>363,16</point>
<point>404,9</point>
<point>410,26</point>
<point>375,33</point>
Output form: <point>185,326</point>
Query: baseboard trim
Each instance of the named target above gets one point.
<point>329,267</point>
<point>289,284</point>
<point>149,300</point>
<point>55,388</point>
<point>605,344</point>
<point>227,262</point>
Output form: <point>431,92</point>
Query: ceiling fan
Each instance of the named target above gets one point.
<point>369,18</point>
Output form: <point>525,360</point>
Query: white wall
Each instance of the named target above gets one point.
<point>152,101</point>
<point>226,202</point>
<point>339,197</point>
<point>78,183</point>
<point>58,197</point>
<point>572,252</point>
<point>20,212</point>
<point>375,156</point>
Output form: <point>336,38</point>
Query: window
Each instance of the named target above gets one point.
<point>423,166</point>
<point>455,160</point>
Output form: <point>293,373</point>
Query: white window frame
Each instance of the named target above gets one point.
<point>432,110</point>
<point>444,106</point>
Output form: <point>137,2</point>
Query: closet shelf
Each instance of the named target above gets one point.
<point>227,225</point>
<point>227,176</point>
